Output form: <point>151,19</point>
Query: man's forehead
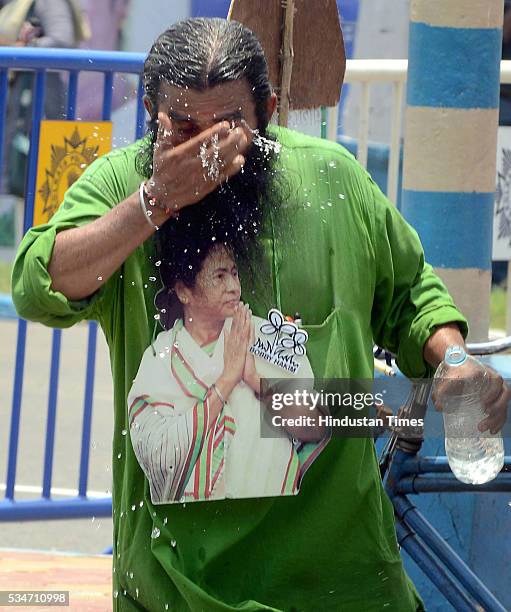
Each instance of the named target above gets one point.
<point>221,100</point>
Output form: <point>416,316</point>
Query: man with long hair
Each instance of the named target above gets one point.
<point>312,234</point>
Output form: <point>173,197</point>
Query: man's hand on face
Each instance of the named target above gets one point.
<point>182,174</point>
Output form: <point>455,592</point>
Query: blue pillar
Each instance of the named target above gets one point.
<point>451,142</point>
<point>448,192</point>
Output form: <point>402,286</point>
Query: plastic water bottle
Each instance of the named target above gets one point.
<point>475,457</point>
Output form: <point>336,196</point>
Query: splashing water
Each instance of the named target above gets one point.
<point>265,144</point>
<point>211,161</point>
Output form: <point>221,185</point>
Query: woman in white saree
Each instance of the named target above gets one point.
<point>194,415</point>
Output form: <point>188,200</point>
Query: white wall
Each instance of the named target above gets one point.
<point>382,33</point>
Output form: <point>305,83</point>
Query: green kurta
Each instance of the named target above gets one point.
<point>354,270</point>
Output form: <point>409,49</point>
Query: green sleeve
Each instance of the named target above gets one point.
<point>410,300</point>
<point>90,197</point>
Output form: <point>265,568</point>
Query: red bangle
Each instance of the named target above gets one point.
<point>154,202</point>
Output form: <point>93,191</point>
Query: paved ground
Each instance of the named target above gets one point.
<point>88,579</point>
<point>84,535</point>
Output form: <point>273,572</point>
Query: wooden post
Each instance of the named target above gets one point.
<point>295,43</point>
<point>286,56</point>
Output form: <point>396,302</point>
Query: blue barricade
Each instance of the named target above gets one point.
<point>40,62</point>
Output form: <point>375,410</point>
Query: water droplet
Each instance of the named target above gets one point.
<point>100,278</point>
<point>152,278</point>
<point>119,455</point>
<point>116,594</point>
<point>155,533</point>
<point>141,504</point>
<point>166,606</point>
<point>156,317</point>
<point>158,264</point>
<point>133,507</point>
<point>165,521</point>
<point>124,432</point>
<point>332,164</point>
<point>342,196</point>
<point>173,543</point>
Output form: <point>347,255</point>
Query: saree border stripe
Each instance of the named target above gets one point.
<point>146,401</point>
<point>217,473</point>
<point>206,475</point>
<point>182,361</point>
<point>200,423</point>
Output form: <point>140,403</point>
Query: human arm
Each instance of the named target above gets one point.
<point>413,314</point>
<point>98,249</point>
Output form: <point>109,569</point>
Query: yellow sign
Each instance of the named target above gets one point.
<point>66,148</point>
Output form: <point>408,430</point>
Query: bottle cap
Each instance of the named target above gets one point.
<point>455,355</point>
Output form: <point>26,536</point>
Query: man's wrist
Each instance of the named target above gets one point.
<point>155,216</point>
<point>442,337</point>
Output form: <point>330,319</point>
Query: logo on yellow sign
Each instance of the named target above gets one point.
<point>66,148</point>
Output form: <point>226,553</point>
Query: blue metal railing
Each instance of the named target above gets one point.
<point>73,62</point>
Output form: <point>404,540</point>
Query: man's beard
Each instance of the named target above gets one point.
<point>234,214</point>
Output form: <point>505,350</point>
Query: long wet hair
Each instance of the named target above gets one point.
<point>200,53</point>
